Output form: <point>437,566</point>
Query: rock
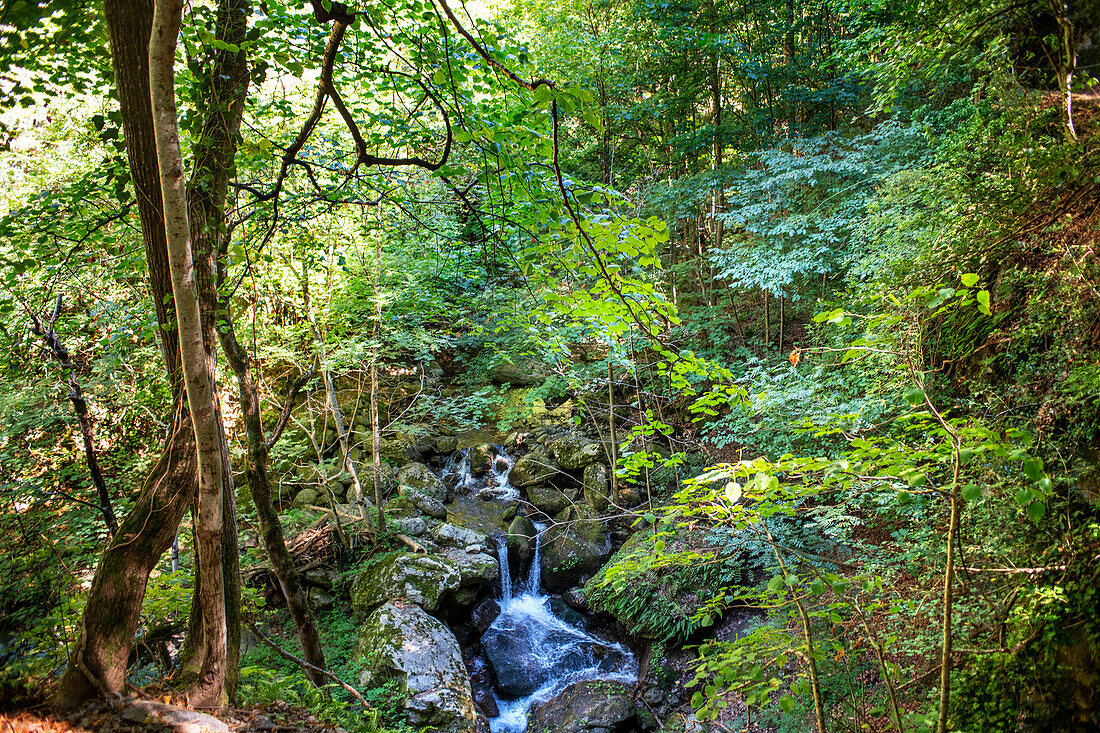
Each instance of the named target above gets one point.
<point>575,598</point>
<point>509,513</point>
<point>481,683</point>
<point>531,469</point>
<point>306,497</point>
<point>510,639</point>
<point>450,535</point>
<point>320,577</point>
<point>547,499</point>
<point>155,715</point>
<point>629,497</point>
<point>481,459</point>
<point>573,548</point>
<point>521,538</point>
<point>421,579</point>
<point>561,609</point>
<point>446,445</point>
<point>475,569</point>
<point>429,505</point>
<point>484,614</point>
<point>400,641</point>
<point>411,526</point>
<point>320,600</point>
<point>574,453</point>
<point>597,486</point>
<point>523,374</point>
<point>421,478</point>
<point>585,706</point>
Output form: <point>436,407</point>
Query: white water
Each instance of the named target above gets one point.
<point>495,485</point>
<point>555,649</point>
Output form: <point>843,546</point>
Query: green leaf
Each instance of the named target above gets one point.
<point>1036,510</point>
<point>1033,468</point>
<point>969,279</point>
<point>971,492</point>
<point>786,704</point>
<point>983,301</point>
<point>775,583</point>
<point>915,396</point>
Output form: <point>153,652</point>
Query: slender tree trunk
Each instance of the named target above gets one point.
<point>767,322</point>
<point>210,689</point>
<point>375,422</point>
<point>614,453</point>
<point>1069,65</point>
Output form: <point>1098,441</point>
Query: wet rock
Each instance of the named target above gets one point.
<point>509,641</point>
<point>585,707</point>
<point>509,513</point>
<point>429,505</point>
<point>481,684</point>
<point>484,614</point>
<point>475,569</point>
<point>561,609</point>
<point>411,526</point>
<point>521,538</point>
<point>597,486</point>
<point>547,499</point>
<point>573,548</point>
<point>531,469</point>
<point>401,641</point>
<point>576,600</point>
<point>421,478</point>
<point>420,579</point>
<point>574,453</point>
<point>481,459</point>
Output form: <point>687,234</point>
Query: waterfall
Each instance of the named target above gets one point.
<point>535,654</point>
<point>458,474</point>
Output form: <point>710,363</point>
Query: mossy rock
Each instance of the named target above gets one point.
<point>574,453</point>
<point>400,641</point>
<point>423,479</point>
<point>521,538</point>
<point>547,499</point>
<point>597,486</point>
<point>530,470</point>
<point>593,705</point>
<point>573,548</point>
<point>419,579</point>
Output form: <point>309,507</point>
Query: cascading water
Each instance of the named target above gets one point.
<point>458,473</point>
<point>536,655</point>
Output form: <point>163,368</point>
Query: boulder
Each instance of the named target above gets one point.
<point>475,569</point>
<point>531,469</point>
<point>573,548</point>
<point>320,600</point>
<point>429,505</point>
<point>450,535</point>
<point>586,706</point>
<point>420,579</point>
<point>423,479</point>
<point>411,526</point>
<point>481,683</point>
<point>597,486</point>
<point>547,499</point>
<point>528,651</point>
<point>481,459</point>
<point>484,614</point>
<point>574,453</point>
<point>400,641</point>
<point>306,497</point>
<point>521,538</point>
<point>446,445</point>
<point>523,374</point>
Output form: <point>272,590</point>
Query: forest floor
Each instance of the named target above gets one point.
<point>131,715</point>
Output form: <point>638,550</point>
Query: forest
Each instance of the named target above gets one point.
<point>564,366</point>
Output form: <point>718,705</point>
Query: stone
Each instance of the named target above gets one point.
<point>575,453</point>
<point>481,459</point>
<point>531,469</point>
<point>401,641</point>
<point>420,579</point>
<point>320,577</point>
<point>509,513</point>
<point>450,535</point>
<point>411,526</point>
<point>475,569</point>
<point>509,641</point>
<point>597,486</point>
<point>629,497</point>
<point>155,715</point>
<point>423,479</point>
<point>484,614</point>
<point>586,707</point>
<point>481,683</point>
<point>521,538</point>
<point>562,610</point>
<point>523,374</point>
<point>547,499</point>
<point>445,445</point>
<point>306,497</point>
<point>429,505</point>
<point>573,548</point>
<point>320,600</point>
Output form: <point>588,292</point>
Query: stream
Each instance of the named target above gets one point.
<point>534,653</point>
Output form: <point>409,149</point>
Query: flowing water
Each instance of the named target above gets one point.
<point>494,485</point>
<point>535,654</point>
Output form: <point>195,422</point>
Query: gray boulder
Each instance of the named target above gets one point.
<point>523,374</point>
<point>597,486</point>
<point>586,706</point>
<point>421,478</point>
<point>401,641</point>
<point>521,538</point>
<point>426,503</point>
<point>547,499</point>
<point>450,535</point>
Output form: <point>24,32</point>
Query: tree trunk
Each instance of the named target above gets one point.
<point>97,665</point>
<point>210,688</point>
<point>1069,65</point>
